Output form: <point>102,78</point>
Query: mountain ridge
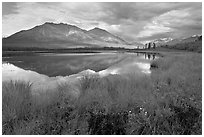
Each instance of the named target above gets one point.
<point>169,41</point>
<point>65,34</point>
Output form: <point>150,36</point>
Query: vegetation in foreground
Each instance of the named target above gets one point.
<point>168,102</point>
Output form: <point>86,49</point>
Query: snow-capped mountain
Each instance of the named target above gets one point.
<point>161,41</point>
<point>169,41</point>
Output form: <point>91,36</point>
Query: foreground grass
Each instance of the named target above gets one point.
<point>168,102</point>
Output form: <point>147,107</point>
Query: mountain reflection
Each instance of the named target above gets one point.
<point>57,64</point>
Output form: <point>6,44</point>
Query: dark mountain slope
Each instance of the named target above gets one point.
<point>52,35</point>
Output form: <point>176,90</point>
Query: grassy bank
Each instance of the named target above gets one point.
<point>195,46</point>
<point>167,102</point>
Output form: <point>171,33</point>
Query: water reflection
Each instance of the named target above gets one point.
<point>149,56</point>
<point>46,70</point>
<point>67,64</point>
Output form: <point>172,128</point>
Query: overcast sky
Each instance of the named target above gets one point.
<point>130,21</point>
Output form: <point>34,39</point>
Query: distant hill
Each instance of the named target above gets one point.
<point>193,43</point>
<point>172,42</point>
<point>51,35</point>
<point>136,45</point>
<point>161,41</point>
<point>184,40</point>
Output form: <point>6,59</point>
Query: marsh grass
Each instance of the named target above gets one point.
<point>16,106</point>
<point>167,102</point>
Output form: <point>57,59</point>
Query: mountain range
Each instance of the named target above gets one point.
<point>51,35</point>
<point>171,42</point>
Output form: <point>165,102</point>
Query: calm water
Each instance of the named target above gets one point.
<point>58,64</point>
<point>47,71</point>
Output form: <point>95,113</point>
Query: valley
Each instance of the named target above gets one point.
<point>60,79</point>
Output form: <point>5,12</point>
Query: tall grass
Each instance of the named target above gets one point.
<point>16,104</point>
<point>178,87</point>
<point>167,102</point>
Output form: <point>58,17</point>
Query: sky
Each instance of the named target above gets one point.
<point>137,21</point>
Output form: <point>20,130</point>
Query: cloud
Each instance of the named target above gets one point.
<point>132,21</point>
<point>175,23</point>
<point>8,8</point>
<point>164,23</point>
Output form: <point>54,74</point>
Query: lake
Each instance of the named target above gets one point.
<point>47,70</point>
<point>61,64</point>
